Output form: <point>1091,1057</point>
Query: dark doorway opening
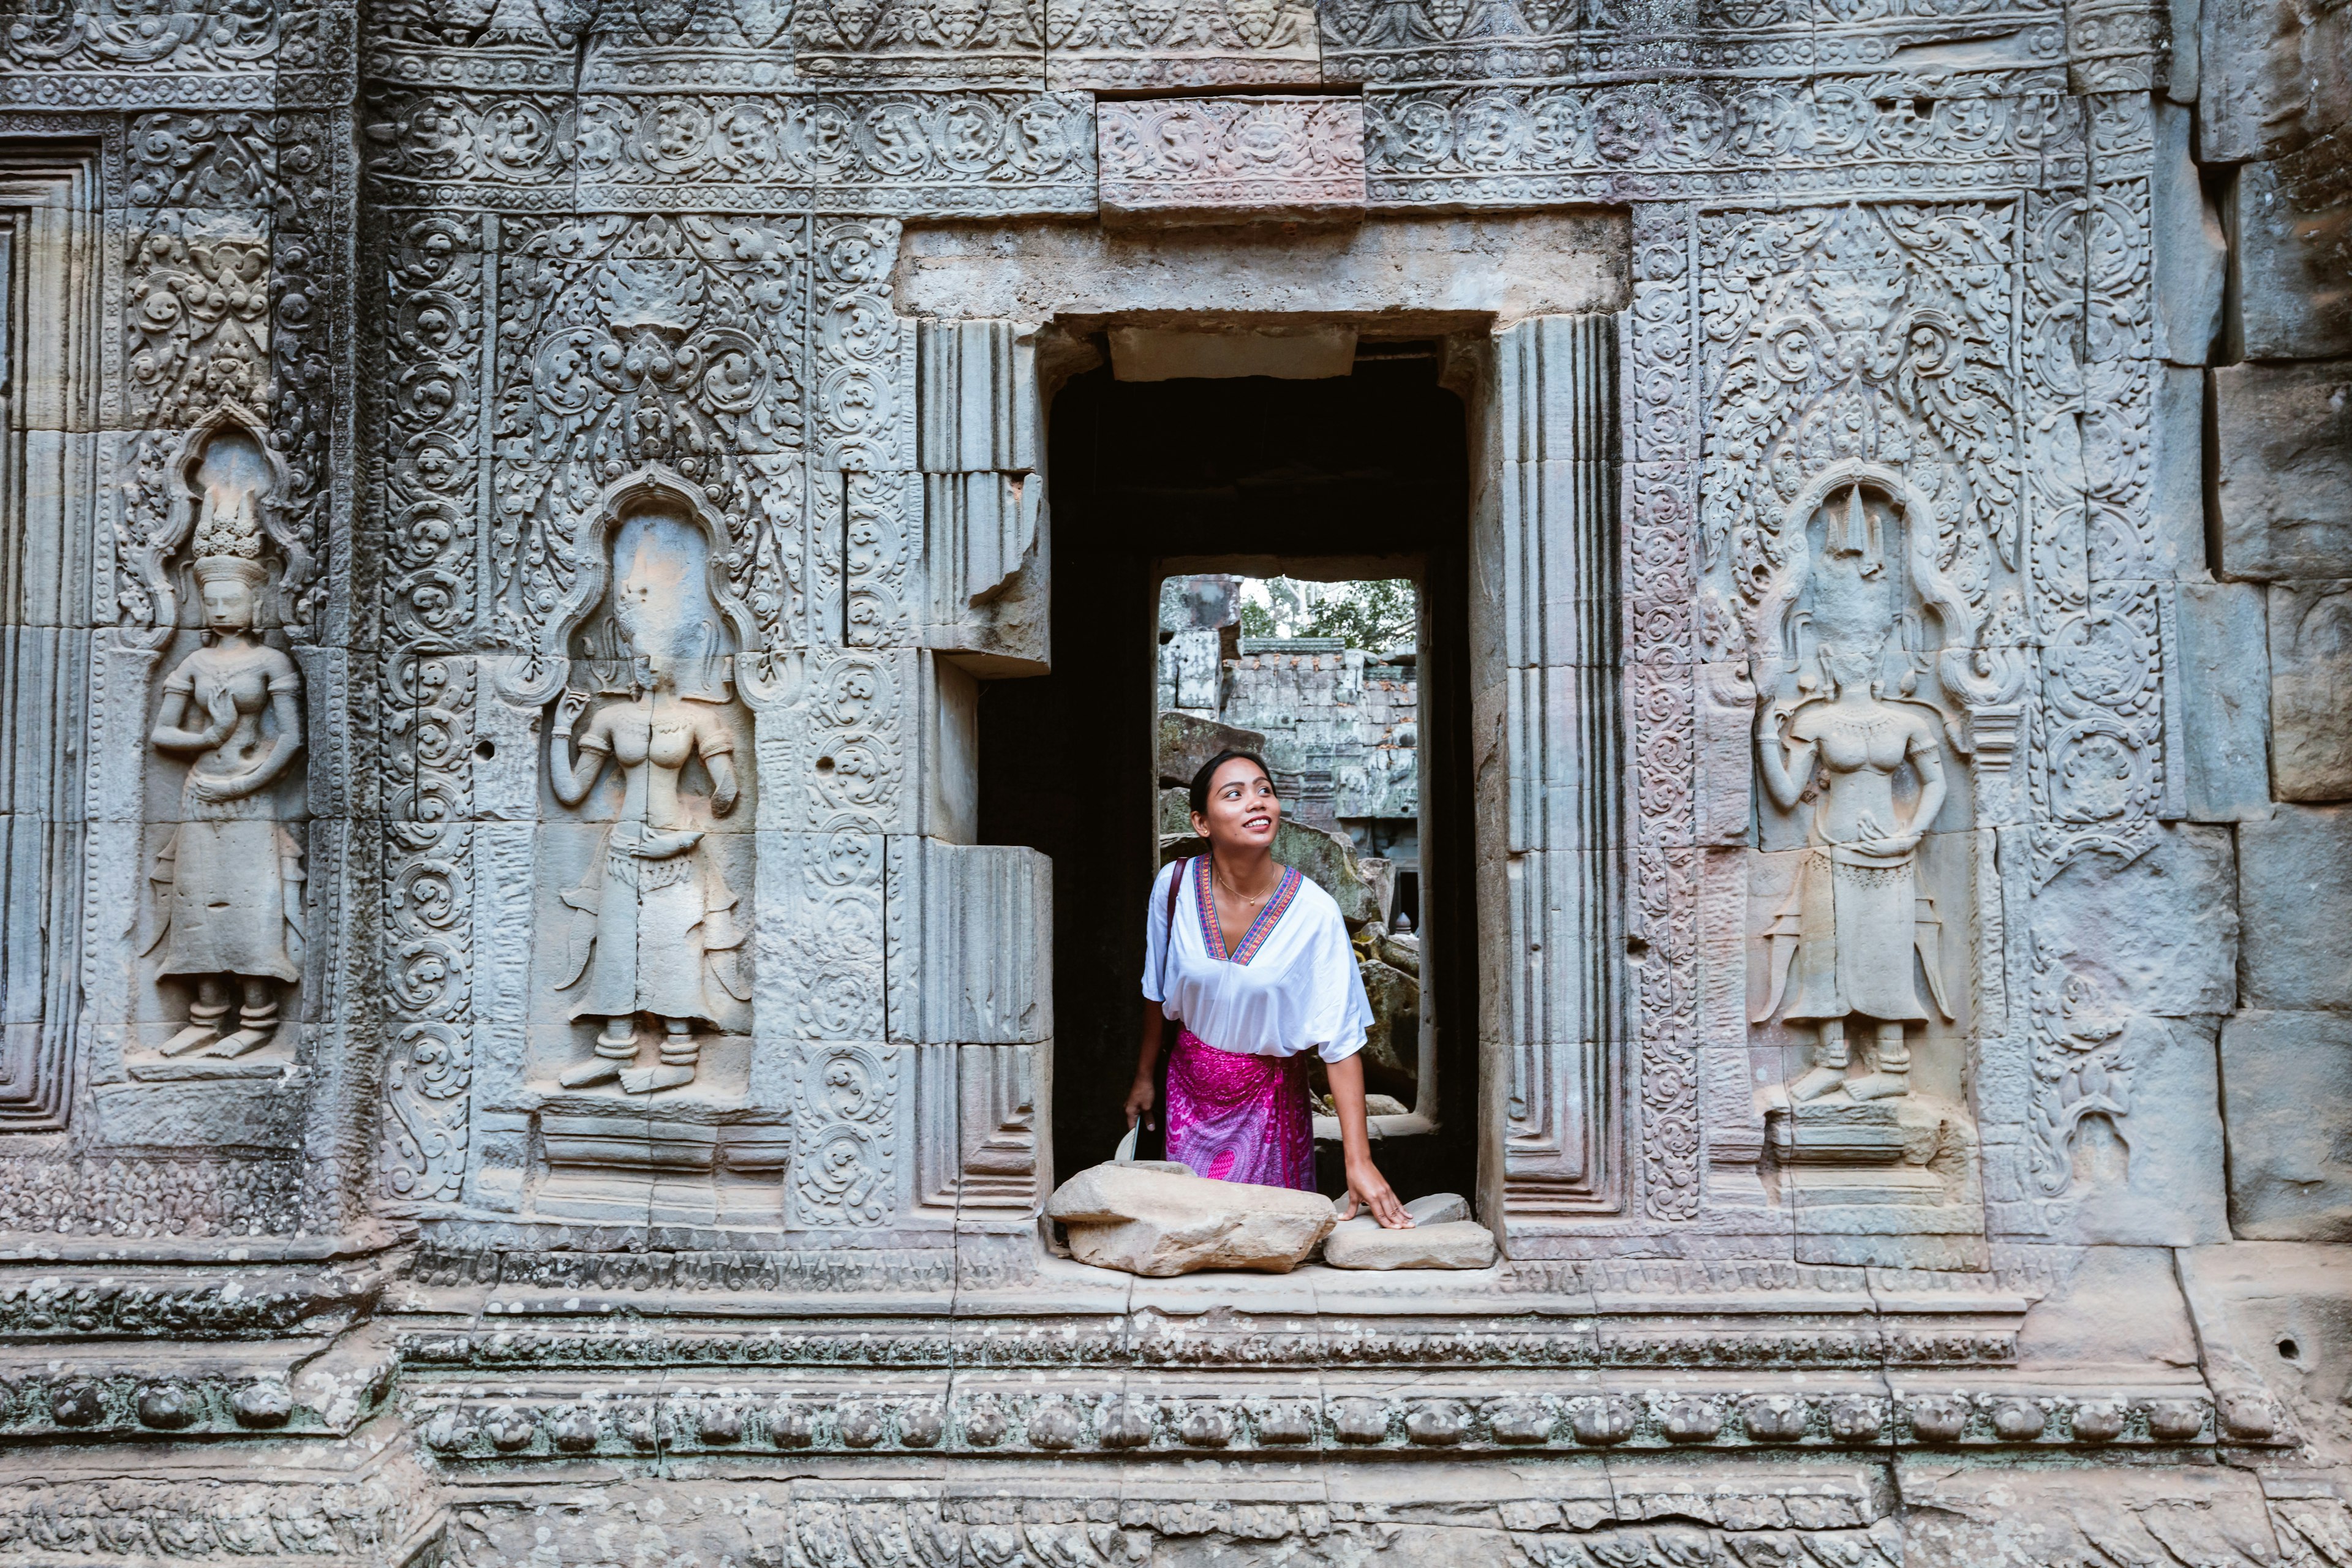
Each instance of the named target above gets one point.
<point>1352,477</point>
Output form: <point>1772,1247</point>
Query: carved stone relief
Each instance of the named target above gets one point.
<point>228,916</point>
<point>502,973</point>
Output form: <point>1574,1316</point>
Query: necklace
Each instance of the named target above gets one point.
<point>1236,892</point>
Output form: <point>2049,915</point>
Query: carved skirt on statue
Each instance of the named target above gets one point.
<point>661,919</point>
<point>229,885</point>
<point>1856,923</point>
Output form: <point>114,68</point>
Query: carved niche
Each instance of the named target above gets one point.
<point>644,866</point>
<point>1861,619</point>
<point>222,934</point>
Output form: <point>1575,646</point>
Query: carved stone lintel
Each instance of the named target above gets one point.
<point>1234,159</point>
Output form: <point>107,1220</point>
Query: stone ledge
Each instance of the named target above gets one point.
<point>1516,1412</point>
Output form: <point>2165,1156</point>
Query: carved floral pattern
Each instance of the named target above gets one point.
<point>431,412</point>
<point>1250,155</point>
<point>843,1137</point>
<point>703,152</point>
<point>627,343</point>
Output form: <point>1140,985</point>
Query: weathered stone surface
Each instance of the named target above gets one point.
<point>2158,934</point>
<point>1362,1244</point>
<point>2186,243</point>
<point>531,533</point>
<point>1391,1050</point>
<point>2311,670</point>
<point>2290,869</point>
<point>2275,1322</point>
<point>1156,1224</point>
<point>1234,159</point>
<point>1967,1517</point>
<point>1443,1237</point>
<point>2271,78</point>
<point>2293,298</point>
<point>2283,483</point>
<point>2287,1084</point>
<point>1291,353</point>
<point>1187,742</point>
<point>2225,694</point>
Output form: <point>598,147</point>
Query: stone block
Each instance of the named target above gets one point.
<point>2158,935</point>
<point>2293,294</point>
<point>2311,690</point>
<point>1283,354</point>
<point>1186,742</point>
<point>978,530</point>
<point>2274,1318</point>
<point>1158,1224</point>
<point>1962,1516</point>
<point>977,395</point>
<point>2287,1099</point>
<point>2187,248</point>
<point>2295,874</point>
<point>2283,481</point>
<point>2175,497</point>
<point>1360,1243</point>
<point>185,1116</point>
<point>968,948</point>
<point>1237,159</point>
<point>2110,1306</point>
<point>2154,1176</point>
<point>2224,700</point>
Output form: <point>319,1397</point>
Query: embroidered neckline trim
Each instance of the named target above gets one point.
<point>1213,936</point>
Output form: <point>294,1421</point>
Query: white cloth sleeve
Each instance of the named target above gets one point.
<point>1338,1014</point>
<point>1156,931</point>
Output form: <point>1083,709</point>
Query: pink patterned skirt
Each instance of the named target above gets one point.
<point>1240,1118</point>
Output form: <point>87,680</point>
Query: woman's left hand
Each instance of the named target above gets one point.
<point>1368,1188</point>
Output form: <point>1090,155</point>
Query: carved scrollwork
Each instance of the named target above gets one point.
<point>648,347</point>
<point>843,1137</point>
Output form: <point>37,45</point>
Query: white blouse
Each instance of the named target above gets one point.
<point>1291,984</point>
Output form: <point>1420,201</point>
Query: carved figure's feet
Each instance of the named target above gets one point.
<point>1880,1086</point>
<point>1819,1081</point>
<point>646,1080</point>
<point>241,1042</point>
<point>189,1038</point>
<point>595,1070</point>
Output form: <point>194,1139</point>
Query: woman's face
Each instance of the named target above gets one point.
<point>1242,808</point>
<point>228,606</point>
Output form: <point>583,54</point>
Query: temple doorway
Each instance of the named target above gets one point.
<point>1166,494</point>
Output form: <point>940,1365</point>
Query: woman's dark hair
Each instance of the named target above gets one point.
<point>1208,772</point>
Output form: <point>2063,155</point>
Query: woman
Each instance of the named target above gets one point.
<point>662,917</point>
<point>231,879</point>
<point>1853,920</point>
<point>1254,961</point>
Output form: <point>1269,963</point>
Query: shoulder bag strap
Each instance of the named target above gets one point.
<point>1168,937</point>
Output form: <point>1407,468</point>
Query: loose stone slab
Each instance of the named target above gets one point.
<point>1443,1236</point>
<point>1159,1224</point>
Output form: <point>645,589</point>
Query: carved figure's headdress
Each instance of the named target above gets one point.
<point>227,542</point>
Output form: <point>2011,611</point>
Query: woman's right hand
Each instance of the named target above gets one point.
<point>1140,1099</point>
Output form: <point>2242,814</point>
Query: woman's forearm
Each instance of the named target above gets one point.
<point>1347,1077</point>
<point>1147,1055</point>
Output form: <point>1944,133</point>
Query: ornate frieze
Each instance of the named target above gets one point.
<point>1701,141</point>
<point>1257,159</point>
<point>904,1413</point>
<point>974,152</point>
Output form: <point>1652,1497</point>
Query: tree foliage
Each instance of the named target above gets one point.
<point>1377,614</point>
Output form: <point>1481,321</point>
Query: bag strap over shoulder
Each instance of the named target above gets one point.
<point>1168,936</point>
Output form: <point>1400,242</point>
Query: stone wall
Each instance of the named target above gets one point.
<point>516,1049</point>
